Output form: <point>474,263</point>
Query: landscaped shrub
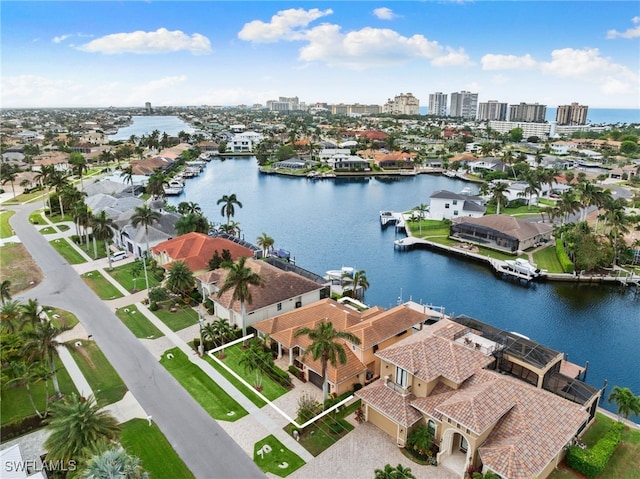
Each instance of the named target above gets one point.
<point>592,462</point>
<point>563,257</point>
<point>279,376</point>
<point>308,407</point>
<point>153,306</point>
<point>157,294</point>
<point>419,442</point>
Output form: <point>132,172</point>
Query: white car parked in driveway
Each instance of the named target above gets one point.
<point>118,255</point>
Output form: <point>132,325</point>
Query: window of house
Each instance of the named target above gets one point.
<point>455,202</point>
<point>464,445</point>
<point>279,307</point>
<point>431,426</point>
<point>455,212</point>
<point>401,377</point>
<point>446,205</point>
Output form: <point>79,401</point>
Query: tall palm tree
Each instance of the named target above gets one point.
<point>127,174</point>
<point>625,401</point>
<point>43,177</point>
<point>114,463</point>
<point>30,312</point>
<point>568,205</point>
<point>192,222</point>
<point>240,278</point>
<point>79,164</point>
<point>78,426</point>
<point>533,188</point>
<point>9,175</point>
<point>265,242</point>
<point>228,205</point>
<point>10,314</point>
<point>327,347</point>
<point>180,279</point>
<point>358,281</point>
<point>421,209</point>
<point>59,181</point>
<point>155,185</point>
<point>189,207</point>
<point>5,290</point>
<point>146,217</point>
<point>102,228</point>
<point>254,360</point>
<point>42,344</point>
<point>497,194</point>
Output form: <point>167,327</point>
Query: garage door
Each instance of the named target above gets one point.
<point>315,378</point>
<point>383,422</point>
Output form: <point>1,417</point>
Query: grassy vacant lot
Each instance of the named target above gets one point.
<point>137,323</point>
<point>202,388</point>
<point>625,462</point>
<point>249,393</point>
<point>156,454</point>
<point>15,400</point>
<point>101,286</point>
<point>270,389</point>
<point>183,317</point>
<point>18,265</point>
<point>548,259</point>
<point>68,252</point>
<point>5,229</point>
<point>271,456</point>
<point>122,274</point>
<point>103,379</point>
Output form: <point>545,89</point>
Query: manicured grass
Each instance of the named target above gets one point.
<point>122,274</point>
<point>202,388</point>
<point>249,393</point>
<point>270,389</point>
<point>49,230</point>
<point>519,211</point>
<point>15,401</point>
<point>58,218</point>
<point>137,323</point>
<point>68,252</point>
<point>60,317</point>
<point>183,317</point>
<point>625,462</point>
<point>19,266</point>
<point>36,218</point>
<point>548,259</point>
<point>148,443</point>
<point>5,229</point>
<point>271,456</point>
<point>103,379</point>
<point>322,434</point>
<point>90,251</point>
<point>101,286</point>
<point>26,197</point>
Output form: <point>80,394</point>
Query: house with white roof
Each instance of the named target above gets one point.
<point>447,205</point>
<point>244,142</point>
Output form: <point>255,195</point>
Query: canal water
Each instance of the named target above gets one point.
<point>327,224</point>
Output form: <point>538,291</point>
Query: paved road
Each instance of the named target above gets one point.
<point>204,446</point>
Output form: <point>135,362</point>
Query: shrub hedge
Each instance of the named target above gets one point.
<point>591,462</point>
<point>563,257</point>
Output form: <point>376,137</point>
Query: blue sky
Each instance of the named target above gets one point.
<point>100,53</point>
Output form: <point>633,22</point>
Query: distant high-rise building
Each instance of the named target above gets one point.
<point>402,104</point>
<point>573,114</point>
<point>284,103</point>
<point>492,110</point>
<point>464,104</point>
<point>438,104</point>
<point>528,112</point>
<point>147,107</point>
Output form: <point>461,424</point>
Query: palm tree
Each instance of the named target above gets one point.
<point>30,312</point>
<point>192,222</point>
<point>10,313</point>
<point>5,290</point>
<point>533,188</point>
<point>240,278</point>
<point>155,185</point>
<point>127,175</point>
<point>78,426</point>
<point>189,207</point>
<point>102,227</point>
<point>390,472</point>
<point>180,279</point>
<point>43,177</point>
<point>232,228</point>
<point>79,164</point>
<point>265,242</point>
<point>359,281</point>
<point>497,194</point>
<point>568,205</point>
<point>27,373</point>
<point>114,463</point>
<point>146,217</point>
<point>59,181</point>
<point>421,209</point>
<point>326,347</point>
<point>42,344</point>
<point>9,174</point>
<point>219,331</point>
<point>626,402</point>
<point>254,359</point>
<point>228,205</point>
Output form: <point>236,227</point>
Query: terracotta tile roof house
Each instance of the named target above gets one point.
<point>397,159</point>
<point>456,381</point>
<point>376,328</point>
<point>501,232</point>
<point>59,159</point>
<point>196,249</point>
<point>147,166</point>
<point>282,291</point>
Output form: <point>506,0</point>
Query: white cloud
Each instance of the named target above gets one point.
<point>284,25</point>
<point>60,39</point>
<point>452,57</point>
<point>629,33</point>
<point>507,62</point>
<point>384,13</point>
<point>140,42</point>
<point>585,63</point>
<point>33,90</point>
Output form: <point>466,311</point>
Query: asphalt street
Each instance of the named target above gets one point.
<point>203,445</point>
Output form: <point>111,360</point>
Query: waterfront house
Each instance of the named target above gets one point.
<point>397,160</point>
<point>376,328</point>
<point>135,239</point>
<point>292,164</point>
<point>244,142</point>
<point>500,232</point>
<point>445,204</point>
<point>147,166</point>
<point>283,290</point>
<point>492,399</point>
<point>348,162</point>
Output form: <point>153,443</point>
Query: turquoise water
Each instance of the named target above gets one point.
<point>145,125</point>
<point>327,224</point>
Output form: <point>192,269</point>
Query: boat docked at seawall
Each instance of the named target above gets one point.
<point>174,187</point>
<point>520,265</point>
<point>341,274</point>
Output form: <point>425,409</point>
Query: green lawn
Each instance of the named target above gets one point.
<point>322,434</point>
<point>249,393</point>
<point>101,286</point>
<point>519,211</point>
<point>67,251</point>
<point>60,317</point>
<point>103,379</point>
<point>183,317</point>
<point>15,401</point>
<point>5,229</point>
<point>271,456</point>
<point>36,218</point>
<point>49,230</point>
<point>270,389</point>
<point>202,388</point>
<point>138,323</point>
<point>122,274</point>
<point>548,259</point>
<point>625,462</point>
<point>148,443</point>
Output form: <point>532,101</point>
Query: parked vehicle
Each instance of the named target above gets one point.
<point>118,256</point>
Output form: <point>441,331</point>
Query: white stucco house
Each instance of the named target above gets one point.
<point>244,142</point>
<point>445,204</point>
<point>348,162</point>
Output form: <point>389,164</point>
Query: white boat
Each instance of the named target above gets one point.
<point>339,274</point>
<point>520,265</point>
<point>466,191</point>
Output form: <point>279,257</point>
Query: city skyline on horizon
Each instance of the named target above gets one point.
<point>223,53</point>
